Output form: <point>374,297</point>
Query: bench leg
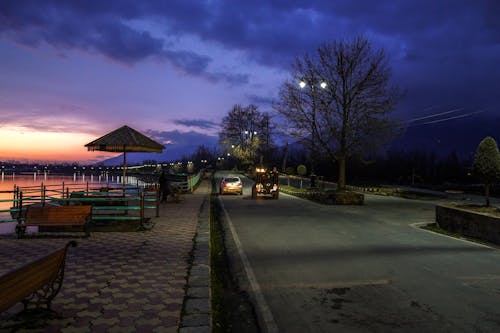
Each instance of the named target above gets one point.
<point>20,230</point>
<point>46,294</point>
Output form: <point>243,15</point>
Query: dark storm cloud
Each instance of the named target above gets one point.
<point>177,137</point>
<point>197,65</point>
<point>198,123</point>
<point>269,30</point>
<point>191,62</point>
<point>261,100</point>
<point>442,52</point>
<point>94,27</point>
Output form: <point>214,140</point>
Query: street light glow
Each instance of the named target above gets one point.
<point>302,84</point>
<point>323,85</point>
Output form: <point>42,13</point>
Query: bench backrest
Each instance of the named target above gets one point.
<point>19,284</point>
<point>54,215</point>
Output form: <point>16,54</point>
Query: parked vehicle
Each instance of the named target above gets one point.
<point>266,183</point>
<point>231,184</point>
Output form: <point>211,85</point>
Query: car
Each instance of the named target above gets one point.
<point>266,183</point>
<point>231,184</point>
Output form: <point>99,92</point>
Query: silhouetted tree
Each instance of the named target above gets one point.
<point>246,133</point>
<point>487,164</point>
<point>344,112</point>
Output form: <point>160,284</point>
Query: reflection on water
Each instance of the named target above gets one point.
<point>35,182</point>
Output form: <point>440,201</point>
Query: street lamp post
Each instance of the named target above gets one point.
<point>249,144</point>
<point>312,83</point>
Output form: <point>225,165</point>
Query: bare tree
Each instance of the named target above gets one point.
<point>339,100</point>
<point>246,133</point>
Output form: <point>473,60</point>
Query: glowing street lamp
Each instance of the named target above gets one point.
<point>313,83</point>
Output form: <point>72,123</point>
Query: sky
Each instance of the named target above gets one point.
<point>72,71</point>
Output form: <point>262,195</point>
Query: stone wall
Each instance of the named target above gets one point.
<point>467,223</point>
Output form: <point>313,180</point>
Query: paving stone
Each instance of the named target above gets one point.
<point>197,281</point>
<point>144,328</point>
<point>154,307</point>
<point>100,328</point>
<point>163,329</point>
<point>114,306</point>
<point>86,313</point>
<point>121,329</point>
<point>105,321</point>
<point>87,294</point>
<point>197,305</point>
<point>131,314</point>
<point>73,329</point>
<point>198,292</point>
<point>148,321</point>
<point>200,319</point>
<point>114,279</point>
<point>200,329</point>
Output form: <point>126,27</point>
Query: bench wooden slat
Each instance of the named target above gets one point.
<point>21,283</point>
<point>58,215</point>
<point>48,216</point>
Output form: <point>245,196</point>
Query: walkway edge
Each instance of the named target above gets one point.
<point>197,311</point>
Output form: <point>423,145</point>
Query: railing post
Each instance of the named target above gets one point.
<point>67,196</point>
<point>157,191</point>
<point>44,190</point>
<point>20,207</point>
<point>142,207</point>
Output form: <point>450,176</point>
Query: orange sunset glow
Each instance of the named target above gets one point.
<point>31,145</point>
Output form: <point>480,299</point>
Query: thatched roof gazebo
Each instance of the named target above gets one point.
<point>123,140</point>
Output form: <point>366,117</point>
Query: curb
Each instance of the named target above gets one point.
<point>196,316</point>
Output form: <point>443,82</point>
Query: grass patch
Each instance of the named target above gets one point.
<point>217,264</point>
<point>481,209</point>
<point>288,188</point>
<point>232,310</point>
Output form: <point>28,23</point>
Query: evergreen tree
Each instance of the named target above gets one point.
<point>487,164</point>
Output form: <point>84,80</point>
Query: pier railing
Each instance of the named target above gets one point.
<point>108,203</point>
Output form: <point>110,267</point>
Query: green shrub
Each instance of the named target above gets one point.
<point>301,170</point>
<point>487,164</point>
<point>290,170</point>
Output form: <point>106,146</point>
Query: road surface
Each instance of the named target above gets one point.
<point>364,268</point>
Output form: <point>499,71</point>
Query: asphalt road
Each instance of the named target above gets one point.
<point>362,268</point>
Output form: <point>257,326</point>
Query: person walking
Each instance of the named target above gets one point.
<point>164,186</point>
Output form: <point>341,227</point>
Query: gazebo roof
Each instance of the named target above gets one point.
<point>125,139</point>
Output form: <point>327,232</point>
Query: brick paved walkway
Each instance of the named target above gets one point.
<point>115,282</point>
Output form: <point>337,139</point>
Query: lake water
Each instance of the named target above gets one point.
<point>35,181</point>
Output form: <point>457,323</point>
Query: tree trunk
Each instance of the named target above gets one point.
<point>487,194</point>
<point>341,182</point>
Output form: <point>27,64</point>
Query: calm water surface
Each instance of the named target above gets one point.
<point>34,182</point>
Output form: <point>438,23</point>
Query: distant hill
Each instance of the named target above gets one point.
<point>171,153</point>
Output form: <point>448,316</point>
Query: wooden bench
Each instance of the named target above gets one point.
<point>56,216</point>
<point>35,283</point>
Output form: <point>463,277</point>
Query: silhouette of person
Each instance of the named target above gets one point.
<point>164,186</point>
